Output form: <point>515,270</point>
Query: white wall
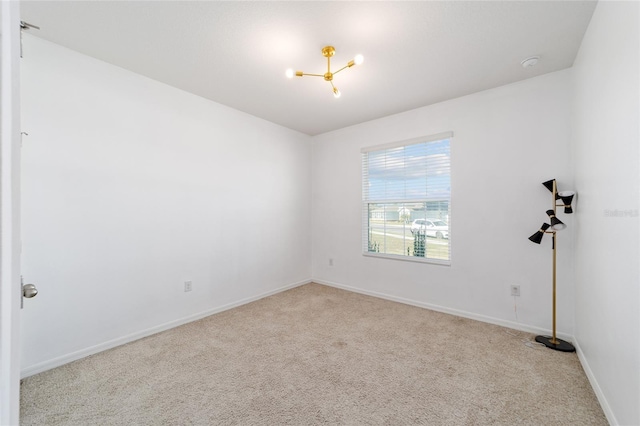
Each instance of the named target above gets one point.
<point>130,188</point>
<point>606,157</point>
<point>507,141</point>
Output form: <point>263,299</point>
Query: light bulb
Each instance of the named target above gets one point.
<point>289,73</point>
<point>336,92</point>
<point>358,59</point>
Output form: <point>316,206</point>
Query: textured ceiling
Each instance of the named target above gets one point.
<point>236,53</point>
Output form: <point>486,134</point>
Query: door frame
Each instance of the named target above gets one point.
<point>10,285</point>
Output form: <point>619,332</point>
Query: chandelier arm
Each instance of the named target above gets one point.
<point>335,90</point>
<point>313,75</point>
<point>346,66</point>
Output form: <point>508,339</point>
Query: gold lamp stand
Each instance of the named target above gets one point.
<point>552,341</point>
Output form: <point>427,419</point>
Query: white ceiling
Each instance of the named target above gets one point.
<point>236,53</point>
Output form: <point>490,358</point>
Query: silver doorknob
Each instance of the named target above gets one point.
<point>29,291</point>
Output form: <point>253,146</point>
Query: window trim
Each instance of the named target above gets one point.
<point>410,258</point>
<point>425,139</point>
<point>365,213</point>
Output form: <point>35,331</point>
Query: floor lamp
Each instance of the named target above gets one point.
<point>566,197</point>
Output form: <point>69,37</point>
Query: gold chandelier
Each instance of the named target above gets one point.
<point>328,52</point>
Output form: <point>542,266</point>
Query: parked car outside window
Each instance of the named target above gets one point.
<point>431,228</point>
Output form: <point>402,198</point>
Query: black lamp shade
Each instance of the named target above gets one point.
<point>556,223</point>
<point>537,237</point>
<point>567,199</point>
<point>549,184</point>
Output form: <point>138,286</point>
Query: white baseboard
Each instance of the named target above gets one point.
<point>606,408</point>
<point>74,356</point>
<point>456,312</point>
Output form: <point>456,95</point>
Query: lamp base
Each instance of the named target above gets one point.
<point>560,344</point>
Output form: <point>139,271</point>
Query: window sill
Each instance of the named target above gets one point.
<point>408,258</point>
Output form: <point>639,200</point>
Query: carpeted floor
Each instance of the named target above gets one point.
<point>319,355</point>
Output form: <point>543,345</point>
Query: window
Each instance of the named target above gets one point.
<point>406,194</point>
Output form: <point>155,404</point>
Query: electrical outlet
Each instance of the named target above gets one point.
<point>515,290</point>
<point>187,286</point>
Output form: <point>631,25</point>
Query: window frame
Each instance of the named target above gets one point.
<point>367,202</point>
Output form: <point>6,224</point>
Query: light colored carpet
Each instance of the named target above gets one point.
<point>319,355</point>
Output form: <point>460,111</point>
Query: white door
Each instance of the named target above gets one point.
<point>10,287</point>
